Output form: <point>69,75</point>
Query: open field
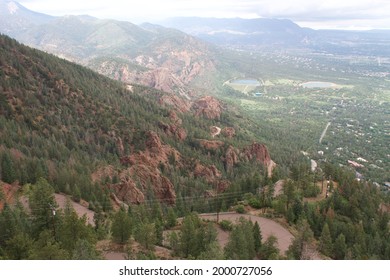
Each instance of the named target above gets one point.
<point>244,85</point>
<point>290,117</point>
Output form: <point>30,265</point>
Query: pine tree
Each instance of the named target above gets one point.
<point>42,205</point>
<point>19,247</point>
<point>241,245</point>
<point>340,247</point>
<point>146,235</point>
<point>7,169</point>
<point>302,241</point>
<point>269,249</point>
<point>72,229</point>
<point>326,244</point>
<point>121,226</point>
<point>47,248</point>
<point>257,237</point>
<point>171,219</point>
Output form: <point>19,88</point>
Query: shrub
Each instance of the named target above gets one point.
<point>226,225</point>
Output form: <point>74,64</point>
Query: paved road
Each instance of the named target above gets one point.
<point>324,132</point>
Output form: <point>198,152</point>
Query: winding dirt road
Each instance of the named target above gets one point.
<point>268,227</point>
<point>217,131</point>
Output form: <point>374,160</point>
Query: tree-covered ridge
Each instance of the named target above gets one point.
<point>62,122</point>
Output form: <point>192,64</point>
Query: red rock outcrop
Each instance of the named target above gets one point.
<point>155,154</point>
<point>257,152</point>
<point>9,192</point>
<point>174,101</point>
<point>222,186</point>
<point>211,145</point>
<point>144,168</point>
<point>208,107</point>
<point>128,192</point>
<point>210,173</point>
<point>174,118</point>
<point>150,177</point>
<point>181,134</point>
<point>229,132</point>
<point>174,130</point>
<point>231,158</point>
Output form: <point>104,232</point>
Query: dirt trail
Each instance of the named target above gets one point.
<point>267,226</point>
<point>80,210</point>
<point>217,131</point>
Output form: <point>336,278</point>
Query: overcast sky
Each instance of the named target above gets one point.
<point>341,14</point>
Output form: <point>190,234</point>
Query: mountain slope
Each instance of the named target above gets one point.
<point>14,17</point>
<point>86,133</point>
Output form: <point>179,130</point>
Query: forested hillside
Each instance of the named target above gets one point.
<point>141,158</point>
<point>109,144</point>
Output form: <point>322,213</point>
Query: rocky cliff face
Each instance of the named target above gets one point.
<point>151,178</point>
<point>143,167</point>
<point>174,129</point>
<point>257,152</point>
<point>176,103</point>
<point>9,192</point>
<point>211,144</point>
<point>208,107</point>
<point>210,173</point>
<point>231,158</point>
<point>155,154</point>
<point>127,192</point>
<point>228,132</point>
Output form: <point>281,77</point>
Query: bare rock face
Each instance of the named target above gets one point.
<point>231,158</point>
<point>173,130</point>
<point>257,152</point>
<point>210,173</point>
<point>228,132</point>
<point>181,134</point>
<point>151,177</point>
<point>222,186</point>
<point>143,167</point>
<point>156,153</point>
<point>153,142</point>
<point>211,145</point>
<point>128,192</point>
<point>174,118</point>
<point>208,107</point>
<point>9,192</point>
<point>175,102</point>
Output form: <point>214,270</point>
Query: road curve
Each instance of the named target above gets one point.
<point>268,227</point>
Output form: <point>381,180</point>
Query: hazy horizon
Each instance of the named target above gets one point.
<point>346,15</point>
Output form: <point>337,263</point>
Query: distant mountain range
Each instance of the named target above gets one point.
<point>166,58</point>
<point>281,33</point>
<point>151,55</point>
<point>237,31</point>
<point>15,18</point>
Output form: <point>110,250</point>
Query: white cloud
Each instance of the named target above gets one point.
<point>363,13</point>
